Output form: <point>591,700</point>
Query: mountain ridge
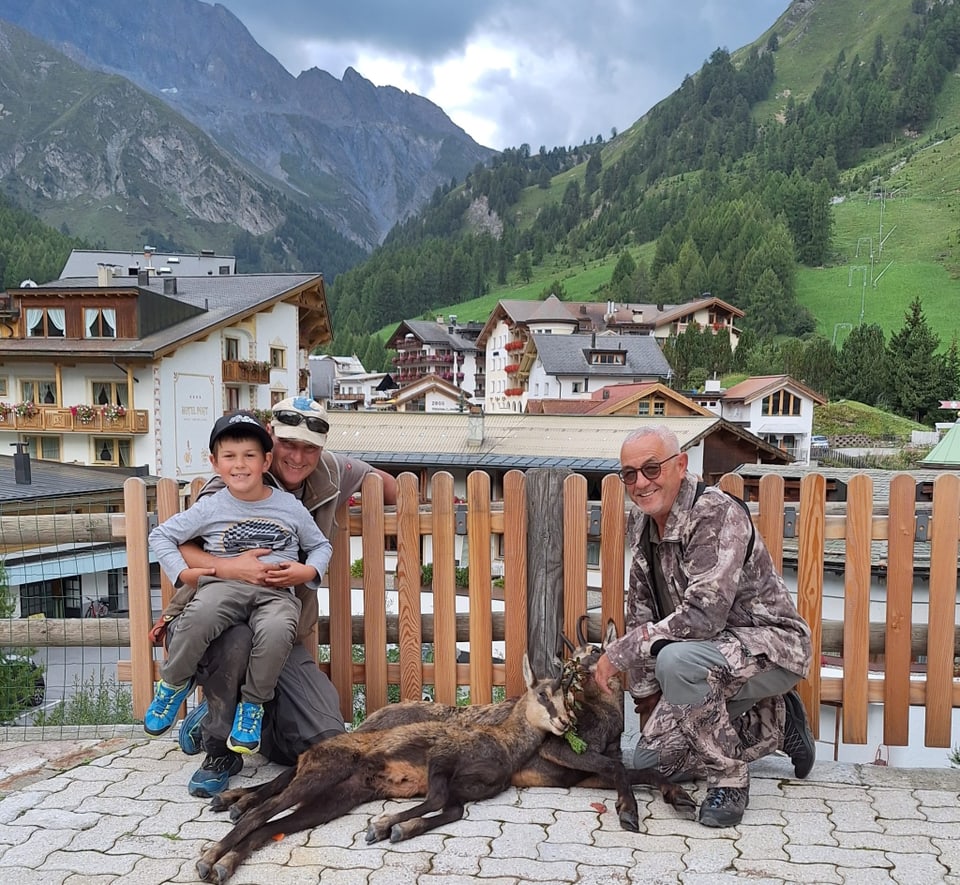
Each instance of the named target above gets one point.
<point>363,156</point>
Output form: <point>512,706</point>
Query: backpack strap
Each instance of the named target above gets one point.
<point>701,485</point>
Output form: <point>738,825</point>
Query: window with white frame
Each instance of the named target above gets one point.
<point>231,399</point>
<point>99,322</point>
<point>231,348</point>
<point>278,357</point>
<point>3,386</point>
<point>46,322</point>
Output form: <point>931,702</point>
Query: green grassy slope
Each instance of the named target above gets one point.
<point>882,258</point>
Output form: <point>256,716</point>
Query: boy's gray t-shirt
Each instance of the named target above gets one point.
<point>229,527</point>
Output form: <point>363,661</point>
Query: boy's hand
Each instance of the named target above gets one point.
<point>191,576</point>
<point>289,574</point>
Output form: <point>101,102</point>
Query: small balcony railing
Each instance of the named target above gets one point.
<point>245,371</point>
<point>62,420</point>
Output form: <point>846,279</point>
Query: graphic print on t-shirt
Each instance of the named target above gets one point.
<point>252,533</point>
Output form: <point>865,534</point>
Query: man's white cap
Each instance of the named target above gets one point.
<point>300,418</point>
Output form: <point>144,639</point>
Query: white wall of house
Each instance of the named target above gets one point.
<point>189,389</point>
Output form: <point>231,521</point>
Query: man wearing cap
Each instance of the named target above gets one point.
<point>306,708</point>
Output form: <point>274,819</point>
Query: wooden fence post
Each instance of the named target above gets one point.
<point>544,566</point>
<point>138,589</point>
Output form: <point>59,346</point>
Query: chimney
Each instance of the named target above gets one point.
<point>143,277</point>
<point>169,285</point>
<point>21,464</point>
<point>104,274</point>
<point>475,428</point>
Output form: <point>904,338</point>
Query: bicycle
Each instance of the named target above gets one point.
<point>98,608</point>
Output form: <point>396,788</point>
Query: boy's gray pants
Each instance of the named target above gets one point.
<point>305,708</point>
<point>271,612</point>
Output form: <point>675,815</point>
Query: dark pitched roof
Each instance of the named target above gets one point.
<point>51,479</point>
<point>570,355</point>
<point>217,300</point>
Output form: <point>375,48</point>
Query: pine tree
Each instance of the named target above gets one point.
<point>914,371</point>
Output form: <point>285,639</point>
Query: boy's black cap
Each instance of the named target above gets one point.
<point>243,423</point>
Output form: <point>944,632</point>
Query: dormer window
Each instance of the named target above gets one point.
<point>99,322</point>
<point>608,358</point>
<point>46,322</point>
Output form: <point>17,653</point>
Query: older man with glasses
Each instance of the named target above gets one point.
<point>714,643</point>
<point>306,708</point>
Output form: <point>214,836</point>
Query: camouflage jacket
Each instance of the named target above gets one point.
<point>711,589</point>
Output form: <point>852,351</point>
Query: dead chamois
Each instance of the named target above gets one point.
<point>450,763</point>
<point>599,724</point>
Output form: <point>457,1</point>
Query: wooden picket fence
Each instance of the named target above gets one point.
<point>542,525</point>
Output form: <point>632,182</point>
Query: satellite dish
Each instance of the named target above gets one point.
<point>28,284</point>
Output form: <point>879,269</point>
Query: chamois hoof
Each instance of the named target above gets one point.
<point>678,797</point>
<point>217,803</point>
<point>630,821</point>
<point>203,870</point>
<point>235,813</point>
<point>221,874</point>
<point>396,833</point>
<point>372,835</point>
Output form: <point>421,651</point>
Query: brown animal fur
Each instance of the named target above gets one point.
<point>451,763</point>
<point>556,764</point>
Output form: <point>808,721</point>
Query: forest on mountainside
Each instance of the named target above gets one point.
<point>734,205</point>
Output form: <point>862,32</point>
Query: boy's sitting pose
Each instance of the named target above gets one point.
<point>245,515</point>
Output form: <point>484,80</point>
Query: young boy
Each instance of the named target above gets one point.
<point>245,515</point>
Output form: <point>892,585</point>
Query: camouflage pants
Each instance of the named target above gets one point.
<point>721,709</point>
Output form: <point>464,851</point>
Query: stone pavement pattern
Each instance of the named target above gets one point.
<point>93,812</point>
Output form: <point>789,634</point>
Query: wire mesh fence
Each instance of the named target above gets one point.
<point>63,616</point>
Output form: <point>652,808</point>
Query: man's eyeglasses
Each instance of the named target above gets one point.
<point>294,419</point>
<point>650,470</point>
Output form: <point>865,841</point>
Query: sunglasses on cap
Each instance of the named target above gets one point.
<point>650,470</point>
<point>294,419</point>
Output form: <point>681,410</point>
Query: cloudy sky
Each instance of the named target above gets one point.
<point>513,71</point>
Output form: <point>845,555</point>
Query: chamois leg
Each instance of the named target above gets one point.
<point>342,799</point>
<point>239,800</point>
<point>610,771</point>
<point>308,785</point>
<point>438,795</point>
<point>418,825</point>
<point>673,794</point>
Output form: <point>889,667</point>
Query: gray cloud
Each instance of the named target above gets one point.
<point>578,70</point>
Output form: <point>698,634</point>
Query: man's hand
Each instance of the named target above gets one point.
<point>644,706</point>
<point>247,567</point>
<point>191,576</point>
<point>289,574</point>
<point>604,672</point>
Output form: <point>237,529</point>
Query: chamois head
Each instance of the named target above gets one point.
<point>546,701</point>
<point>585,654</point>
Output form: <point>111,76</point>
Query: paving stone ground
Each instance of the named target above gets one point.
<point>95,811</point>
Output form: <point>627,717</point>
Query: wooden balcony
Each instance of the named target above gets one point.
<point>245,371</point>
<point>62,420</point>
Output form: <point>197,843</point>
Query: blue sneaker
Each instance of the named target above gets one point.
<point>162,712</point>
<point>214,775</point>
<point>191,734</point>
<point>245,736</point>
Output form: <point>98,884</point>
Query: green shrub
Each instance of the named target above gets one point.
<point>356,568</point>
<point>106,702</point>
